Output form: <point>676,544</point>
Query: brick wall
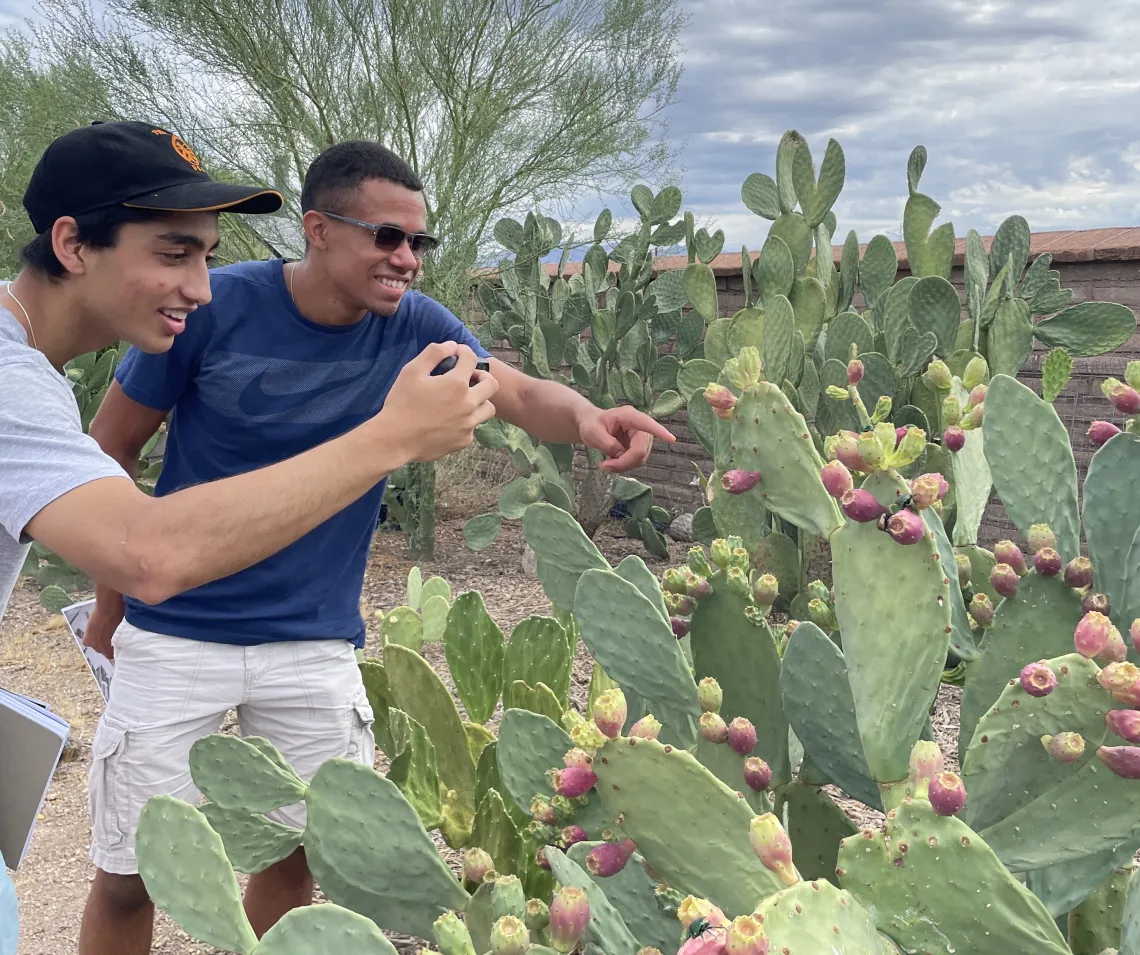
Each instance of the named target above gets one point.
<point>1093,274</point>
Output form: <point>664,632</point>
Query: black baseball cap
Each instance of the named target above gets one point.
<point>131,164</point>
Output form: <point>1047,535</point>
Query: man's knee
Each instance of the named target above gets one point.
<point>123,893</point>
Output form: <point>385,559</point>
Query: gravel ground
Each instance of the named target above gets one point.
<point>38,658</point>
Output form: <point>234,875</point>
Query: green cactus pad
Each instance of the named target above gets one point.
<point>771,437</point>
<point>328,928</point>
<point>817,698</point>
<point>1130,921</point>
<point>691,828</point>
<point>796,233</point>
<point>930,879</point>
<point>633,569</point>
<point>236,774</point>
<point>403,627</point>
<point>742,516</point>
<point>1006,767</point>
<point>537,699</point>
<point>896,314</point>
<point>1094,925</point>
<point>1091,811</point>
<point>1062,887</point>
<point>1031,460</point>
<point>930,253</point>
<point>816,826</point>
<point>631,892</point>
<point>1037,623</point>
<point>700,289</point>
<point>779,337</point>
<point>529,745</point>
<point>878,268</point>
<point>562,549</point>
<point>743,658</point>
<point>1088,328</point>
<point>695,375</point>
<point>745,328</point>
<point>538,652</point>
<point>982,562</point>
<point>252,842</point>
<point>972,485</point>
<point>606,928</point>
<point>479,916</point>
<point>414,768</point>
<point>478,739</point>
<point>728,766</point>
<point>774,270</point>
<point>962,638</point>
<point>1056,370</point>
<point>896,628</point>
<point>638,649</point>
<point>816,198</point>
<point>369,852</point>
<point>846,330</point>
<point>183,865</point>
<point>495,831</point>
<point>809,302</point>
<point>1111,513</point>
<point>375,679</point>
<point>815,917</point>
<point>473,644</point>
<point>933,307</point>
<point>420,693</point>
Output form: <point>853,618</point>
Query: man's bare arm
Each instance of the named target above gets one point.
<point>153,548</point>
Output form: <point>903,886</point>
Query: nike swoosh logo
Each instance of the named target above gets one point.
<point>255,402</point>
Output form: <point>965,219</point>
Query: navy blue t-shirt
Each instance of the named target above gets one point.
<point>251,382</point>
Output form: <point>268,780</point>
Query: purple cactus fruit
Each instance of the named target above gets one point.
<point>746,937</point>
<point>1115,649</point>
<point>1004,580</point>
<point>680,626</point>
<point>900,433</point>
<point>1124,723</point>
<point>1129,697</point>
<point>947,794</point>
<point>569,916</point>
<point>578,758</point>
<point>699,588</point>
<point>540,859</point>
<point>1079,573</point>
<point>574,782</point>
<point>737,481</point>
<point>709,695</point>
<point>477,863</point>
<point>1122,760</point>
<point>572,835</point>
<point>906,527</point>
<point>1134,634</point>
<point>1064,747</point>
<point>938,375</point>
<point>610,712</point>
<point>1118,676</point>
<point>609,858</point>
<point>1098,602</point>
<point>977,396</point>
<point>773,847</point>
<point>1037,679</point>
<point>742,736</point>
<point>1041,535</point>
<point>836,478</point>
<point>509,936</point>
<point>1007,552</point>
<point>757,773</point>
<point>680,606</point>
<point>1124,398</point>
<point>646,728</point>
<point>720,399</point>
<point>954,438</point>
<point>965,570</point>
<point>982,609</point>
<point>765,590</point>
<point>713,727</point>
<point>1047,562</point>
<point>846,450</point>
<point>1100,432</point>
<point>854,371</point>
<point>860,505</point>
<point>1091,635</point>
<point>925,764</point>
<point>693,908</point>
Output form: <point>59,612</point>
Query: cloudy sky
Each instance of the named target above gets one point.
<point>1027,106</point>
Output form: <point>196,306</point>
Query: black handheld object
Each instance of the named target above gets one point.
<point>451,361</point>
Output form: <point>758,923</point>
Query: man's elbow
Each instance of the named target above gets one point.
<point>150,565</point>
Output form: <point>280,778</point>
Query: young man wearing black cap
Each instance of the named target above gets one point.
<point>126,222</point>
<point>286,354</point>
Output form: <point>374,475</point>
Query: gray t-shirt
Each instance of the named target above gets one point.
<point>43,450</point>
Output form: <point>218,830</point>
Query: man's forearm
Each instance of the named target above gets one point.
<point>548,411</point>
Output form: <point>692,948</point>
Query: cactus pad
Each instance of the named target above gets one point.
<point>816,826</point>
<point>896,628</point>
<point>770,436</point>
<point>237,774</point>
<point>538,652</point>
<point>1094,925</point>
<point>562,550</point>
<point>690,827</point>
<point>812,917</point>
<point>328,928</point>
<point>633,569</point>
<point>403,626</point>
<point>252,842</point>
<point>473,644</point>
<point>1031,460</point>
<point>1111,512</point>
<point>930,879</point>
<point>184,867</point>
<point>606,928</point>
<point>962,637</point>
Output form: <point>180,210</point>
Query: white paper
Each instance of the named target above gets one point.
<point>102,669</point>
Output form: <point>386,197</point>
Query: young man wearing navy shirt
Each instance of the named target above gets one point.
<point>287,355</point>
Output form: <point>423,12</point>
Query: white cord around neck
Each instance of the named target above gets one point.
<point>31,331</point>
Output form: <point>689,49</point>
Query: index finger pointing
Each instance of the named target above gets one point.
<point>634,419</point>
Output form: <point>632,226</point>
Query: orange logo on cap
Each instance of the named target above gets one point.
<point>182,148</point>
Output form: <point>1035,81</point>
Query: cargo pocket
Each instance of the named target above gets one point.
<point>361,740</point>
<point>108,787</point>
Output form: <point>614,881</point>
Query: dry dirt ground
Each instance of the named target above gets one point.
<point>38,658</point>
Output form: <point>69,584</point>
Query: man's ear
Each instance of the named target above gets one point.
<point>66,245</point>
<point>316,229</point>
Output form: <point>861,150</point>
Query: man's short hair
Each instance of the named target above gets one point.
<point>99,230</point>
<point>342,169</point>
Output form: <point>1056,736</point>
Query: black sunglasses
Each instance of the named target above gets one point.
<point>390,237</point>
